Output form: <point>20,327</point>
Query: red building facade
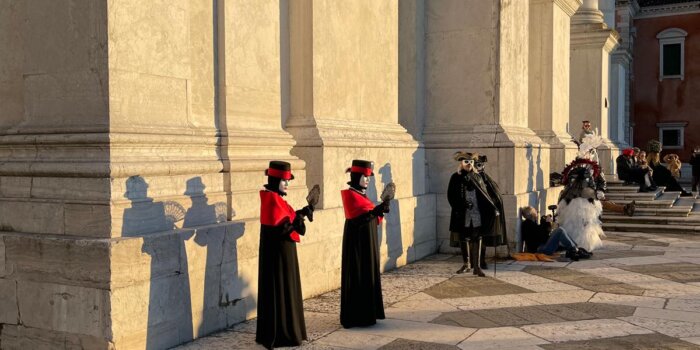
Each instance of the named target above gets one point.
<point>665,85</point>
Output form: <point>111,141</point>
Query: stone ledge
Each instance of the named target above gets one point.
<point>69,261</point>
<point>64,308</point>
<point>21,337</point>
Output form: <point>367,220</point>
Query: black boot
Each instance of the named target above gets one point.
<point>572,254</point>
<point>464,247</point>
<point>482,258</point>
<point>475,250</point>
<point>583,254</point>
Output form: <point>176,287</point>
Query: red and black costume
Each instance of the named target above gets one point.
<point>361,301</point>
<point>280,308</point>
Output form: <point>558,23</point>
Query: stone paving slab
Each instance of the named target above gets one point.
<point>671,328</point>
<point>584,330</point>
<point>419,331</point>
<point>641,291</point>
<point>630,342</point>
<point>584,280</point>
<point>404,344</point>
<point>677,272</point>
<point>500,338</point>
<point>350,340</point>
<point>465,287</point>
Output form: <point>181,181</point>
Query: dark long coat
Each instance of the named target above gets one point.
<point>280,307</point>
<point>457,197</point>
<point>361,302</point>
<point>498,232</point>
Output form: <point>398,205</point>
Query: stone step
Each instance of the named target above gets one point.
<point>640,196</point>
<point>696,208</point>
<point>620,189</point>
<point>657,203</point>
<point>685,201</point>
<point>674,212</point>
<point>652,219</point>
<point>647,228</point>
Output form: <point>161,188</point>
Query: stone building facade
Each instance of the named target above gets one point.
<point>134,135</point>
<point>666,79</point>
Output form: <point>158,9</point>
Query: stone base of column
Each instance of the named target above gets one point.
<point>562,149</point>
<point>607,154</point>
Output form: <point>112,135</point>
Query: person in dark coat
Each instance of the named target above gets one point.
<point>473,211</point>
<point>361,302</point>
<point>629,171</point>
<point>280,309</point>
<point>496,235</point>
<point>695,164</point>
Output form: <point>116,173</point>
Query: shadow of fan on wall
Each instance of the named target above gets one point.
<point>194,285</point>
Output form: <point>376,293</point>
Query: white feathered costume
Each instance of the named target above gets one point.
<point>579,208</point>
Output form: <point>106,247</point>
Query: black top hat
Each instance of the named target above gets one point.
<point>279,169</point>
<point>364,167</point>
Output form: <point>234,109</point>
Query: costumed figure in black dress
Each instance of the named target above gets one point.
<point>473,212</point>
<point>496,235</point>
<point>361,302</point>
<point>280,310</point>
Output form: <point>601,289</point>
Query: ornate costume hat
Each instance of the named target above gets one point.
<point>280,170</point>
<point>363,167</point>
<point>460,156</point>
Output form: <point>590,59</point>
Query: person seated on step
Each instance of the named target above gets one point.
<point>539,238</point>
<point>663,175</point>
<point>630,172</point>
<point>673,164</point>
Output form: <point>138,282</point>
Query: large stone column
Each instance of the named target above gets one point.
<point>591,44</point>
<point>54,175</point>
<point>477,100</point>
<point>115,190</point>
<point>625,11</point>
<point>344,103</point>
<point>549,76</point>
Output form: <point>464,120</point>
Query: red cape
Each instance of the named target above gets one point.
<point>275,211</point>
<point>356,204</point>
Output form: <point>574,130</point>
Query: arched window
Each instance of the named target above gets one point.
<point>671,53</point>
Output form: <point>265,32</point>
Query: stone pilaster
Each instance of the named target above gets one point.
<point>549,76</point>
<point>344,103</point>
<point>54,175</point>
<point>477,100</point>
<point>591,44</point>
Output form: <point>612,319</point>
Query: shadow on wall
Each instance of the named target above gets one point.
<point>194,280</point>
<point>392,237</point>
<point>535,175</point>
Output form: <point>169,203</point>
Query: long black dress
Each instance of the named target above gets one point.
<point>280,306</point>
<point>497,235</point>
<point>361,302</point>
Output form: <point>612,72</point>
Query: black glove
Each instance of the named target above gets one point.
<point>287,228</point>
<point>386,207</point>
<point>378,210</point>
<point>307,211</point>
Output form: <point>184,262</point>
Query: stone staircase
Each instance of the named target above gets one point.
<point>659,211</point>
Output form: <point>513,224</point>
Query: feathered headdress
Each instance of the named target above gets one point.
<point>589,144</point>
<point>580,164</point>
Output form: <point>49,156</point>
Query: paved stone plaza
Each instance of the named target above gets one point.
<point>642,291</point>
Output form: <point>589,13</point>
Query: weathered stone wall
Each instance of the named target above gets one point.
<point>136,133</point>
<point>133,150</point>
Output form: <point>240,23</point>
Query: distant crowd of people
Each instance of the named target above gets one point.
<point>647,170</point>
<point>583,198</point>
